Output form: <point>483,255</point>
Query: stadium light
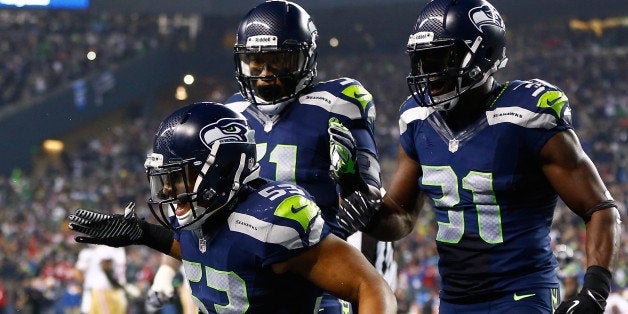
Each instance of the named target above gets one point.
<point>188,79</point>
<point>334,42</point>
<point>53,146</point>
<point>181,93</point>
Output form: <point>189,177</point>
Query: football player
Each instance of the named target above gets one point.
<point>275,59</point>
<point>247,244</point>
<point>493,158</point>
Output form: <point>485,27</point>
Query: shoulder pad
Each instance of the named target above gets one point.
<point>299,209</point>
<point>237,103</point>
<point>533,104</point>
<point>279,213</point>
<point>538,95</point>
<point>410,111</point>
<point>342,96</point>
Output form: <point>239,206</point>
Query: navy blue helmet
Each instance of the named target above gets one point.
<point>202,155</point>
<point>455,46</point>
<point>276,40</point>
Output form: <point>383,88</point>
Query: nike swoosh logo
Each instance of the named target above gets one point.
<point>575,303</point>
<point>298,209</point>
<point>552,102</point>
<point>523,296</point>
<point>358,95</point>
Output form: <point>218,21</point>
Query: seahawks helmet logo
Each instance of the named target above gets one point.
<point>224,130</point>
<point>484,16</point>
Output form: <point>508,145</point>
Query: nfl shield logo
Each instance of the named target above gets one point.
<point>453,145</point>
<point>202,245</point>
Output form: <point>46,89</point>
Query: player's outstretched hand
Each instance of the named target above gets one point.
<point>112,230</point>
<point>585,302</point>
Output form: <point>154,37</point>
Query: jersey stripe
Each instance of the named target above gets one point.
<point>331,103</point>
<point>521,117</point>
<point>413,114</point>
<point>317,230</point>
<point>265,231</point>
<point>238,106</point>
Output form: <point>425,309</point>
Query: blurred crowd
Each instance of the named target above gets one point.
<point>42,50</point>
<point>38,253</point>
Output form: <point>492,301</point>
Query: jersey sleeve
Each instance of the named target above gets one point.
<point>353,102</point>
<point>287,226</point>
<point>237,103</point>
<point>543,111</point>
<point>354,107</point>
<point>409,115</point>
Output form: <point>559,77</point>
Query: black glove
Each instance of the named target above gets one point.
<point>357,210</point>
<point>592,298</point>
<point>112,230</point>
<point>358,205</point>
<point>585,302</point>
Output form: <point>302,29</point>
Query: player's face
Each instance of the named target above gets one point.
<point>439,64</point>
<point>272,63</point>
<point>270,67</point>
<point>174,184</point>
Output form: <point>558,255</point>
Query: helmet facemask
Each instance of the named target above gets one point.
<point>211,186</point>
<point>202,156</point>
<point>455,47</point>
<point>284,72</point>
<point>442,71</point>
<point>275,42</point>
<point>169,187</point>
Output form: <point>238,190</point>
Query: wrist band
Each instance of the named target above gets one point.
<point>601,205</point>
<point>598,279</point>
<point>156,237</point>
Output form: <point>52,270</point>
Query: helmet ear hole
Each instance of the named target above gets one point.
<point>206,196</point>
<point>475,72</point>
<point>490,53</point>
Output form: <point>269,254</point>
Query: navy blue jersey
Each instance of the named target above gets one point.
<point>294,145</point>
<point>229,271</point>
<point>493,204</point>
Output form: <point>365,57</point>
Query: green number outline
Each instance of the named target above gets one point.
<point>213,275</point>
<point>481,186</point>
<point>284,157</point>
